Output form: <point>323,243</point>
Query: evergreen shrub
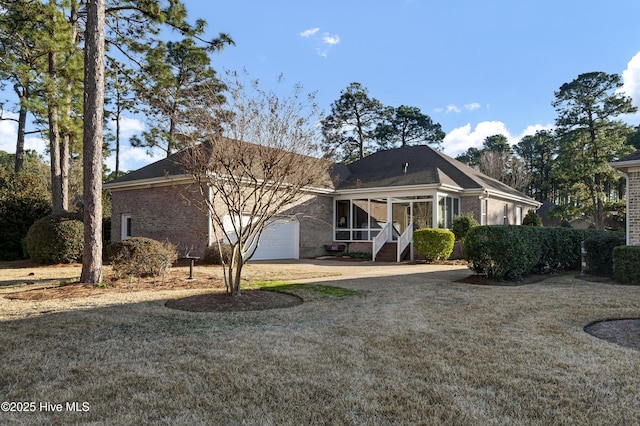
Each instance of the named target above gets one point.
<point>503,251</point>
<point>434,243</point>
<point>140,257</point>
<point>57,238</point>
<point>462,224</point>
<point>511,252</point>
<point>23,200</point>
<point>626,264</point>
<point>600,252</point>
<point>214,254</point>
<point>532,219</point>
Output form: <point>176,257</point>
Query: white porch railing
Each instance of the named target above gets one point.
<point>380,239</point>
<point>404,240</point>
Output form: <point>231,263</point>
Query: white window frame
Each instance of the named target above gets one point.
<point>125,226</point>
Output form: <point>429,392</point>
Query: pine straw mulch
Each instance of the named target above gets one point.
<point>214,300</point>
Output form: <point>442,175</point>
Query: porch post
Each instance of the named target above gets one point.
<point>389,235</point>
<point>435,210</point>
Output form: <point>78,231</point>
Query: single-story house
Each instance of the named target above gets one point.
<point>372,203</point>
<point>630,166</point>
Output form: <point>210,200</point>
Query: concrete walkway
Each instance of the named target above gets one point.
<point>334,270</point>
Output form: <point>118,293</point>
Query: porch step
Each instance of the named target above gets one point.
<point>387,253</point>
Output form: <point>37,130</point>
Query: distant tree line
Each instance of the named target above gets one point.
<point>569,165</point>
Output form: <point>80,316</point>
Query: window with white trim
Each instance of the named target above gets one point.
<point>125,226</point>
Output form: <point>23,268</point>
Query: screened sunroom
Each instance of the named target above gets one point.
<point>358,218</point>
<point>391,218</point>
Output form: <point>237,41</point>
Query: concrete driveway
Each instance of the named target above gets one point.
<point>361,274</point>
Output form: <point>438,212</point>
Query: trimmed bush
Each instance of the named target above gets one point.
<point>600,253</point>
<point>503,251</point>
<point>511,252</point>
<point>626,264</point>
<point>560,250</point>
<point>213,256</point>
<point>462,224</point>
<point>141,257</point>
<point>532,219</point>
<point>23,200</point>
<point>434,243</point>
<point>57,238</point>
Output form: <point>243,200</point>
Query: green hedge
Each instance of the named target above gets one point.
<point>23,200</point>
<point>57,238</point>
<point>434,243</point>
<point>626,264</point>
<point>511,252</point>
<point>503,251</point>
<point>600,253</point>
<point>462,224</point>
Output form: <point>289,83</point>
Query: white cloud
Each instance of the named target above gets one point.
<point>129,126</point>
<point>8,134</point>
<point>310,32</point>
<point>452,108</point>
<point>331,40</point>
<point>133,158</point>
<point>324,42</point>
<point>462,138</point>
<point>631,80</point>
<point>458,140</point>
<point>531,130</point>
<point>472,106</point>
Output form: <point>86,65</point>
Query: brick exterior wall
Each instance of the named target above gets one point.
<point>633,208</point>
<point>495,210</point>
<point>176,214</point>
<point>164,213</point>
<point>314,212</point>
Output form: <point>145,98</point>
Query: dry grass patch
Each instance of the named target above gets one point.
<point>416,349</point>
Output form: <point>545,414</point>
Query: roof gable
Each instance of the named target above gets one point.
<point>418,165</point>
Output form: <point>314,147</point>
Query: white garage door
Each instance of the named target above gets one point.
<point>279,240</point>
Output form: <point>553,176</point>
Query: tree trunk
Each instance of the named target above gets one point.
<point>22,123</point>
<point>57,205</point>
<point>64,170</point>
<point>92,141</point>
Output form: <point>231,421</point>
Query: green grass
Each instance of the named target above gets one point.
<point>319,289</point>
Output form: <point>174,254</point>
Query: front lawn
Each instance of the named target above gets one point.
<point>411,349</point>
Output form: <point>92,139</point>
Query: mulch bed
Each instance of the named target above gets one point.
<point>248,300</point>
<point>529,279</point>
<point>623,332</point>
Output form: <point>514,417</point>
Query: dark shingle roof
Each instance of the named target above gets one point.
<point>425,166</point>
<point>634,156</point>
<point>383,169</point>
<point>170,166</point>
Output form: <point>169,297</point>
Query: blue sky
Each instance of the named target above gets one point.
<point>476,67</point>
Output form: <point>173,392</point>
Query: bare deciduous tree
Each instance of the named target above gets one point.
<point>256,166</point>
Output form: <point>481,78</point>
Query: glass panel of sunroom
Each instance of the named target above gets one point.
<point>343,218</point>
